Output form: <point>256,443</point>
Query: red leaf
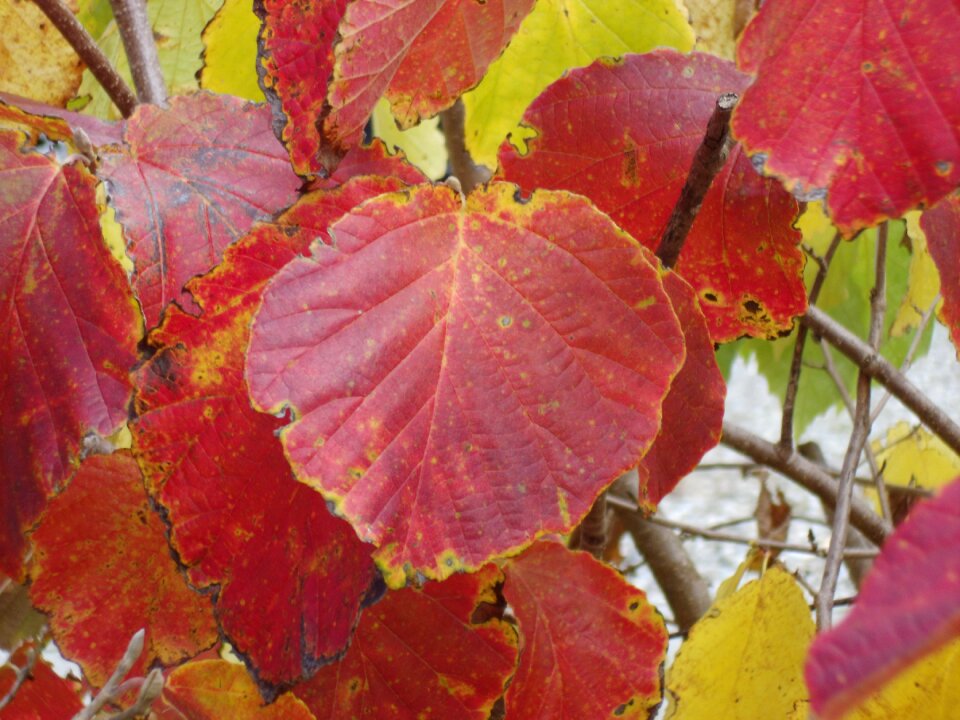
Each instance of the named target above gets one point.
<point>856,101</point>
<point>422,54</point>
<point>941,225</point>
<point>623,133</point>
<point>693,409</point>
<point>187,182</point>
<point>99,132</point>
<point>102,570</point>
<point>591,645</point>
<point>239,520</point>
<point>370,159</point>
<point>217,689</point>
<point>68,328</point>
<point>909,605</point>
<point>465,379</point>
<point>44,695</point>
<point>417,655</point>
<point>295,62</point>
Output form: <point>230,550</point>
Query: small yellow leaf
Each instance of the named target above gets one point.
<point>744,659</point>
<point>913,456</point>
<point>423,144</point>
<point>230,52</point>
<point>923,280</point>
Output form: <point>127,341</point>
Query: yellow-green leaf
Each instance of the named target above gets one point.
<point>744,659</point>
<point>923,280</point>
<point>556,36</point>
<point>423,144</point>
<point>177,25</point>
<point>230,51</point>
<point>911,455</point>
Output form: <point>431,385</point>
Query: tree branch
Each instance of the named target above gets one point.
<point>874,365</point>
<point>453,123</point>
<point>709,159</point>
<point>141,49</point>
<point>88,50</point>
<point>22,674</point>
<point>109,691</point>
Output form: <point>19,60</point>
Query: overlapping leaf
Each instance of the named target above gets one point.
<point>623,133</point>
<point>941,225</point>
<point>692,410</point>
<point>238,518</point>
<point>744,658</point>
<point>217,689</point>
<point>68,328</point>
<point>908,606</point>
<point>372,159</point>
<point>856,102</point>
<point>591,644</point>
<point>43,696</point>
<point>559,35</point>
<point>187,182</point>
<point>102,570</point>
<point>418,655</point>
<point>464,378</point>
<point>230,51</point>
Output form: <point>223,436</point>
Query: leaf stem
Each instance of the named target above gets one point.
<point>88,50</point>
<point>462,166</point>
<point>141,49</point>
<point>707,162</point>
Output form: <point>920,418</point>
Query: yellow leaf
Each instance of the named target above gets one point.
<point>928,689</point>
<point>423,144</point>
<point>177,25</point>
<point>556,36</point>
<point>744,659</point>
<point>230,52</point>
<point>914,456</point>
<point>714,22</point>
<point>35,60</point>
<point>923,280</point>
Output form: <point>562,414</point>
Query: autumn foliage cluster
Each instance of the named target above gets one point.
<point>272,395</point>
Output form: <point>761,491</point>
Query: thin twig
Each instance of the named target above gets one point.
<point>149,691</point>
<point>141,49</point>
<point>872,363</point>
<point>109,691</point>
<point>709,159</point>
<point>88,50</point>
<point>22,674</point>
<point>807,475</point>
<point>462,166</point>
<point>796,363</point>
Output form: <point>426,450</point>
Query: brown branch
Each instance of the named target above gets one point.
<point>709,159</point>
<point>88,50</point>
<point>141,50</point>
<point>453,123</point>
<point>807,475</point>
<point>593,528</point>
<point>874,365</point>
<point>796,362</point>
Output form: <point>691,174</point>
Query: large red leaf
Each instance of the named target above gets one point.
<point>102,570</point>
<point>295,63</point>
<point>855,101</point>
<point>44,695</point>
<point>941,225</point>
<point>291,577</point>
<point>418,656</point>
<point>189,180</point>
<point>692,410</point>
<point>422,54</point>
<point>68,327</point>
<point>909,605</point>
<point>591,645</point>
<point>466,378</point>
<point>623,133</point>
<point>217,690</point>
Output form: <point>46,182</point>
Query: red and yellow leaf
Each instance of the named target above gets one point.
<point>591,645</point>
<point>855,102</point>
<point>465,378</point>
<point>217,689</point>
<point>68,328</point>
<point>692,410</point>
<point>941,225</point>
<point>291,577</point>
<point>417,655</point>
<point>188,181</point>
<point>908,606</point>
<point>624,133</point>
<point>102,570</point>
<point>44,695</point>
<point>372,159</point>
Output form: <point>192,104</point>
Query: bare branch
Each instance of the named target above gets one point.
<point>22,674</point>
<point>709,159</point>
<point>141,49</point>
<point>149,691</point>
<point>109,691</point>
<point>88,50</point>
<point>452,121</point>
